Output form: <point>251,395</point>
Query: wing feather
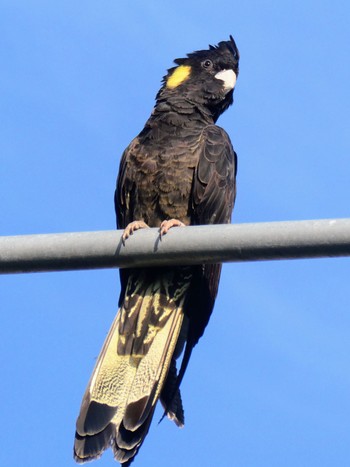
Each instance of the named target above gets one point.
<point>214,190</point>
<point>212,198</point>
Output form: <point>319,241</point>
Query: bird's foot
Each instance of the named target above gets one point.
<point>165,226</point>
<point>131,228</point>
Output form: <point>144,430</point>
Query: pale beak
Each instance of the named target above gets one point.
<point>228,77</point>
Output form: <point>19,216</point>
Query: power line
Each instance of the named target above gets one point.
<point>189,245</point>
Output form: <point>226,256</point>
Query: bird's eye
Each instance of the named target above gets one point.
<point>207,64</point>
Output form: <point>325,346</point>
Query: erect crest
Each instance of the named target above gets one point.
<point>227,51</point>
<point>229,45</point>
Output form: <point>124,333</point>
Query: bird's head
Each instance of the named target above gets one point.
<point>205,78</point>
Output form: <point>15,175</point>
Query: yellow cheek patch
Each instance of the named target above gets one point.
<point>178,76</point>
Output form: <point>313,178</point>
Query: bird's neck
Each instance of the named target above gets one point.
<point>177,112</point>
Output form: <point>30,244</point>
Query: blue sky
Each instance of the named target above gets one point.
<point>269,384</point>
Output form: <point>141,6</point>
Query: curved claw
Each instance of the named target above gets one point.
<point>131,228</point>
<point>165,226</point>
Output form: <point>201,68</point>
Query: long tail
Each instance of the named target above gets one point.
<point>136,366</point>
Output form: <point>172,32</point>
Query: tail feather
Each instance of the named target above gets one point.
<point>127,443</point>
<point>88,447</point>
<point>130,373</point>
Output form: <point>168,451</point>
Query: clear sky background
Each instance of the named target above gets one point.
<point>269,384</point>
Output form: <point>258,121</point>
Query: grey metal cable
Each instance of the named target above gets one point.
<point>187,245</point>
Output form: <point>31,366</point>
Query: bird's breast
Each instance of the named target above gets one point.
<point>163,177</point>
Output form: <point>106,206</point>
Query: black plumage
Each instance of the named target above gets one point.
<point>180,170</point>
